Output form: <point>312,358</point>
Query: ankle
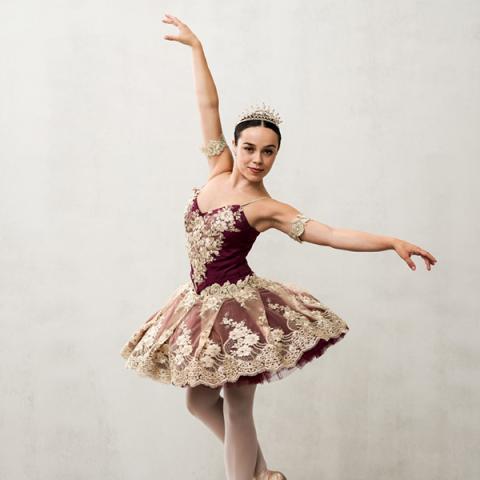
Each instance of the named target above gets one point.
<point>259,469</point>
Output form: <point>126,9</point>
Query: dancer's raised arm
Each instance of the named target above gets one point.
<point>219,156</point>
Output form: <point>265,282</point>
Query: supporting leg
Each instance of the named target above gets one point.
<point>241,444</point>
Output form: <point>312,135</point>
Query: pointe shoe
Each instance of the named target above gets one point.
<point>270,475</point>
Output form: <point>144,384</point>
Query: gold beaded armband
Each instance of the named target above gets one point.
<point>214,147</point>
<point>298,227</point>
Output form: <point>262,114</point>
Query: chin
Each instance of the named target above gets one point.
<point>255,177</point>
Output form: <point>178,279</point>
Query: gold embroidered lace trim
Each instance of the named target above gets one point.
<point>266,325</point>
<point>298,227</point>
<point>205,236</point>
<point>214,147</point>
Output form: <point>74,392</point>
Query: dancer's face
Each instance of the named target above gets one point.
<point>257,148</point>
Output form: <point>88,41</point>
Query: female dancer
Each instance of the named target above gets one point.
<point>227,327</point>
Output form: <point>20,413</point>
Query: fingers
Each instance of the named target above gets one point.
<point>427,263</point>
<point>172,19</point>
<point>406,250</point>
<point>424,253</point>
<point>428,258</point>
<point>168,20</point>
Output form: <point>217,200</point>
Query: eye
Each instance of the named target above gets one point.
<point>248,148</point>
<point>269,152</point>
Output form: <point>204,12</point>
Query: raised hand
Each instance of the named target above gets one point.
<point>185,35</point>
<point>406,249</point>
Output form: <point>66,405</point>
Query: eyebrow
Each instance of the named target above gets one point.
<point>271,145</point>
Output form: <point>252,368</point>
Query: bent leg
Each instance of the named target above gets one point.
<point>206,404</point>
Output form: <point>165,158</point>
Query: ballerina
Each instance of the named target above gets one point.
<point>227,327</point>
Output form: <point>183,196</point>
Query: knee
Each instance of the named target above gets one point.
<point>198,401</point>
<point>194,405</point>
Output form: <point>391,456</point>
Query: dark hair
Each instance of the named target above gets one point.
<point>256,123</point>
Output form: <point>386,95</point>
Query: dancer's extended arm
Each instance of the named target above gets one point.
<point>284,217</point>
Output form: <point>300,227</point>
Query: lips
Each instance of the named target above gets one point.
<point>254,170</point>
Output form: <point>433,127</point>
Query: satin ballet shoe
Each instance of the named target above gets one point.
<point>270,475</point>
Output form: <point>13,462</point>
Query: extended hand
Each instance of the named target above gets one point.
<point>185,35</point>
<point>405,250</point>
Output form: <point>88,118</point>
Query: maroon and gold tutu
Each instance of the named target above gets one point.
<point>227,324</point>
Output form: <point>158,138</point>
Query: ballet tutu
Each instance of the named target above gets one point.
<point>255,330</point>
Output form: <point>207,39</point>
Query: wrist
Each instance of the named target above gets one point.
<point>393,242</point>
<point>196,44</point>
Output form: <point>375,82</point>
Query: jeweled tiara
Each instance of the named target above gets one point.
<point>263,112</point>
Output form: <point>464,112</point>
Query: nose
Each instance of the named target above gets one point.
<point>258,159</point>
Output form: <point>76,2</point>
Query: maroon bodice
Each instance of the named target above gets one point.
<point>218,242</point>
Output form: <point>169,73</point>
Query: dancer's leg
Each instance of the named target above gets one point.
<point>241,445</point>
<point>206,404</point>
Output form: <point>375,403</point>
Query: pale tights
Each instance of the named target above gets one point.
<point>231,420</point>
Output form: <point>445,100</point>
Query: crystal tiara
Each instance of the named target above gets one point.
<point>260,113</point>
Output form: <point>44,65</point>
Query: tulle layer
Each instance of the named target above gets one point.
<point>256,330</point>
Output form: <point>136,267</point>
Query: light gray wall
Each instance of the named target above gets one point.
<point>99,145</point>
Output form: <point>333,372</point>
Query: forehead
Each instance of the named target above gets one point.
<point>259,136</point>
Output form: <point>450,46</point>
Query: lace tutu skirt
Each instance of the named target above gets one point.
<point>256,330</point>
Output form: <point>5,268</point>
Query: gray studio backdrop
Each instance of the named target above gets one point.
<point>100,146</point>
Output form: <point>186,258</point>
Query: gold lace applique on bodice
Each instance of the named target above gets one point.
<point>205,237</point>
<point>206,234</point>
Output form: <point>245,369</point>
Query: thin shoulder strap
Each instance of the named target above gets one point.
<point>197,189</point>
<point>251,201</point>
